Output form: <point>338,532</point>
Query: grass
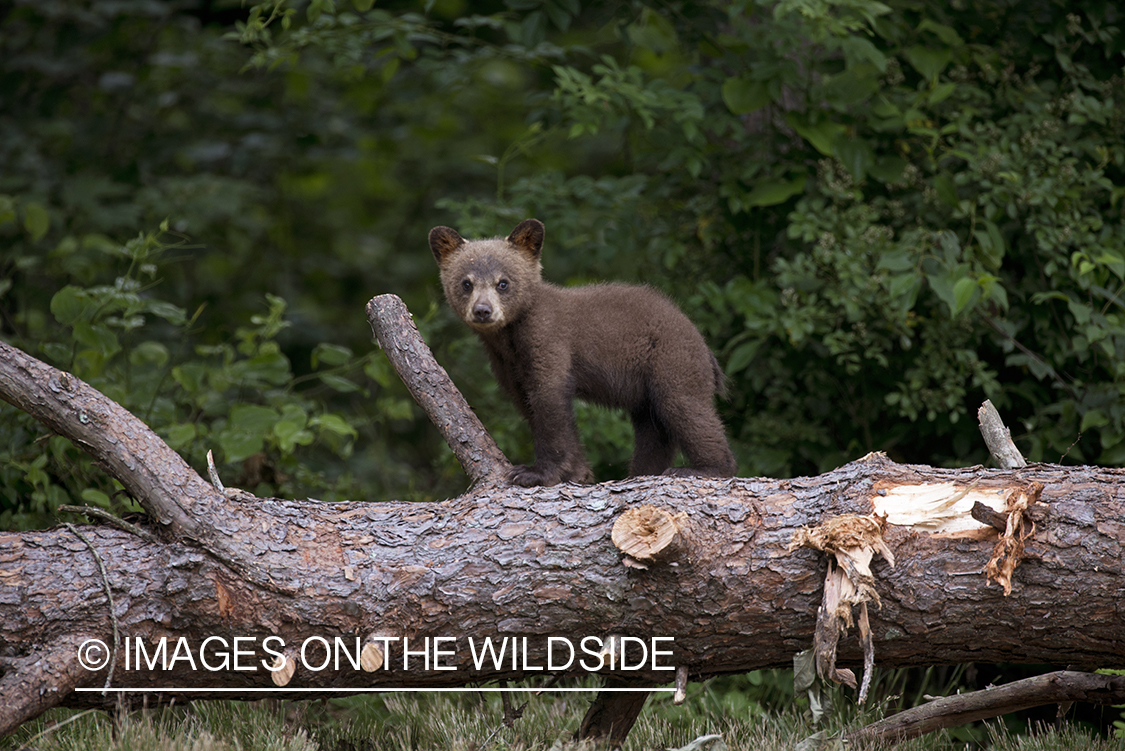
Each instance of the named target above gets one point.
<point>474,722</point>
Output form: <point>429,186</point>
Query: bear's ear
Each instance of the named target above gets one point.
<point>528,237</point>
<point>444,241</point>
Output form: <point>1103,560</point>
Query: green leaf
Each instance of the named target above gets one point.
<point>771,192</point>
<point>743,95</point>
<point>395,409</point>
<point>946,190</point>
<point>821,135</point>
<point>363,5</point>
<point>339,383</point>
<point>171,313</point>
<point>942,92</point>
<point>36,220</point>
<point>149,354</point>
<point>252,418</point>
<point>942,286</point>
<point>1081,311</point>
<point>237,446</point>
<point>97,337</point>
<point>963,292</point>
<point>1095,418</point>
<point>888,169</point>
<point>852,86</point>
<point>96,498</point>
<point>334,424</point>
<point>943,32</point>
<point>930,63</point>
<point>858,50</point>
<point>330,354</point>
<point>291,434</point>
<point>742,356</point>
<point>902,259</point>
<point>903,289</point>
<point>998,244</point>
<point>180,435</point>
<point>68,305</point>
<point>856,155</point>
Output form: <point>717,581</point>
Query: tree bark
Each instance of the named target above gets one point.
<point>531,564</point>
<point>1060,687</point>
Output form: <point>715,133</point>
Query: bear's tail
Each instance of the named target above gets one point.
<point>720,377</point>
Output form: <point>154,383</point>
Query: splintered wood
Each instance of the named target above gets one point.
<point>853,541</point>
<point>1010,547</point>
<point>945,508</point>
<point>937,508</point>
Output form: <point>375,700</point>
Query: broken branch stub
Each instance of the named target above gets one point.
<point>646,535</point>
<point>998,438</point>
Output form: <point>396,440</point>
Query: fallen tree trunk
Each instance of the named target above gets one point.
<point>415,582</point>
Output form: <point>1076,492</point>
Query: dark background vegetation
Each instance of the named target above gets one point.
<point>878,214</point>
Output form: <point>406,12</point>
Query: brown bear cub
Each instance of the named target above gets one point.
<point>617,345</point>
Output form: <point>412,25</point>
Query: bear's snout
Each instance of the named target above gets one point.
<point>482,311</point>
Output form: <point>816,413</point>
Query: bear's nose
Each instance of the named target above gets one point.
<point>482,311</point>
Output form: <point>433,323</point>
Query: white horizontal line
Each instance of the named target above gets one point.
<point>358,690</point>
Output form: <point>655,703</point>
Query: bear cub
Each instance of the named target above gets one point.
<point>617,345</point>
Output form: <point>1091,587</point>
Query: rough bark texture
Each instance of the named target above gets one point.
<point>539,563</point>
<point>506,561</point>
<point>435,393</point>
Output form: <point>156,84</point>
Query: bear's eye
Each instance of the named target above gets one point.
<point>502,285</point>
<point>467,285</point>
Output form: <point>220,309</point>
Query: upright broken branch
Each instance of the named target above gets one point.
<point>998,438</point>
<point>432,389</point>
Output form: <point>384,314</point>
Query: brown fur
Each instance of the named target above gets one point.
<point>617,345</point>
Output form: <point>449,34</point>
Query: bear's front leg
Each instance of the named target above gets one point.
<point>538,474</point>
<point>558,452</point>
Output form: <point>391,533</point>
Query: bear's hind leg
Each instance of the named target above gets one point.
<point>653,449</point>
<point>695,427</point>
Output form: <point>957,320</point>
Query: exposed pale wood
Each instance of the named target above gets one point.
<point>647,534</point>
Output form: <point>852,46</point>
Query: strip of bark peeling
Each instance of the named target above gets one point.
<point>853,540</point>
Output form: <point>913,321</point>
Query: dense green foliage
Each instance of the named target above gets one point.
<point>879,214</point>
